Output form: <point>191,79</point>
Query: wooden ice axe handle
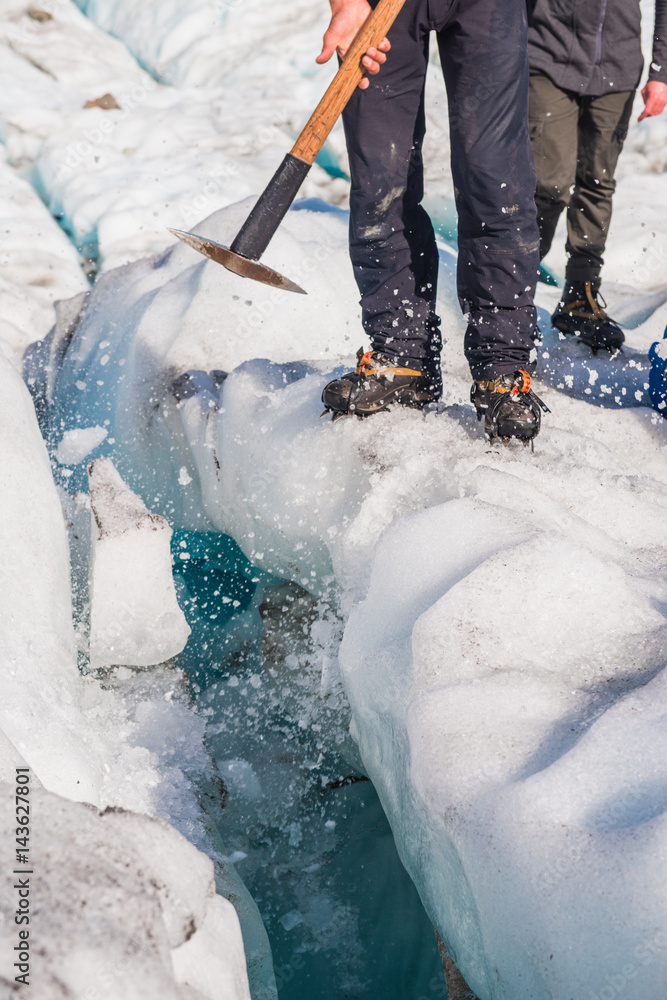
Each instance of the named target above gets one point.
<point>272,206</point>
<point>346,81</point>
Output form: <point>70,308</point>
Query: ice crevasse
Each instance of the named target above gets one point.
<point>505,611</point>
<point>124,901</point>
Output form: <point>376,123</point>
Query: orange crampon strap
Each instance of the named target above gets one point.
<point>365,366</point>
<point>525,385</point>
<point>368,366</point>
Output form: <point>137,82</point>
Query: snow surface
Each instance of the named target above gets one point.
<point>38,265</point>
<point>227,44</point>
<point>166,156</point>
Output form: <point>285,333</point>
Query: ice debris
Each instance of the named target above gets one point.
<point>134,618</point>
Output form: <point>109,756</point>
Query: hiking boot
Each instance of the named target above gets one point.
<point>509,407</point>
<point>377,381</point>
<point>580,313</point>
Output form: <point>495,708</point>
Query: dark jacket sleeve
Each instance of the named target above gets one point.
<point>658,70</point>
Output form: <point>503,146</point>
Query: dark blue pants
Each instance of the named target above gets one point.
<point>482,47</point>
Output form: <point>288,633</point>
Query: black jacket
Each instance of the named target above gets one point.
<point>594,46</point>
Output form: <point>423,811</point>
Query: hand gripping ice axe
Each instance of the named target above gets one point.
<point>243,256</point>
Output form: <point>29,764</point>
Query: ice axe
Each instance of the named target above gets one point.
<point>243,256</point>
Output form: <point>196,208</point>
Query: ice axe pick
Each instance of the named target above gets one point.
<point>243,256</point>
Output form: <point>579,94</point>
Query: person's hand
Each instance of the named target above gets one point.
<point>347,18</point>
<point>655,99</point>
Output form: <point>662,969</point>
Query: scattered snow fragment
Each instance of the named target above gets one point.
<point>77,444</point>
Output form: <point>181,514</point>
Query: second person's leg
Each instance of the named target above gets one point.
<point>603,125</point>
<point>553,118</point>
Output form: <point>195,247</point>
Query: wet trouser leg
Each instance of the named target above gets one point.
<point>392,244</point>
<point>483,49</point>
<point>603,126</point>
<point>576,141</point>
<point>553,121</point>
<point>483,52</point>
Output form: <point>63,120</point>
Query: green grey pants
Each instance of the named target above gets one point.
<point>576,143</point>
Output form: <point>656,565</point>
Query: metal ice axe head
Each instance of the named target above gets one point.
<point>243,256</point>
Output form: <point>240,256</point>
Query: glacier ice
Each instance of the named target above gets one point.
<point>35,610</point>
<point>499,709</point>
<point>505,612</point>
<point>86,740</point>
<point>167,156</point>
<point>554,825</point>
<point>228,47</point>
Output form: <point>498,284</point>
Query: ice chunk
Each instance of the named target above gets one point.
<point>135,617</point>
<point>78,443</point>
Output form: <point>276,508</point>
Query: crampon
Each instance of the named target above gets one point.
<point>509,407</point>
<point>378,381</point>
<point>581,314</point>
